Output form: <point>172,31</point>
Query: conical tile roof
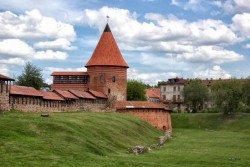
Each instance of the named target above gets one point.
<point>107,52</point>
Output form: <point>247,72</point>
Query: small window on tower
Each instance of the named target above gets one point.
<point>113,79</point>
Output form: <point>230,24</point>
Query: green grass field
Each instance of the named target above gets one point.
<point>102,139</point>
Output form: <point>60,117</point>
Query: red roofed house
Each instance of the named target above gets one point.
<point>106,71</point>
<point>153,94</point>
<point>4,92</point>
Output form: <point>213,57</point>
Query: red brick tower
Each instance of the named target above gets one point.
<point>107,69</point>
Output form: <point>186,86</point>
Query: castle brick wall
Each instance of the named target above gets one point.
<point>37,104</point>
<point>156,117</point>
<point>112,81</point>
<point>4,96</point>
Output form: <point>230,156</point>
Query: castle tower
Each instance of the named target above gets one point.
<point>107,68</point>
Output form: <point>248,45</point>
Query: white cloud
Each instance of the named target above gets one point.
<point>33,25</point>
<point>60,43</point>
<point>4,69</point>
<point>233,6</point>
<point>241,23</point>
<point>67,11</point>
<point>160,28</point>
<point>193,5</point>
<point>247,46</point>
<point>15,47</point>
<point>49,70</point>
<point>51,55</point>
<point>204,54</point>
<point>216,72</point>
<point>14,61</point>
<point>149,78</point>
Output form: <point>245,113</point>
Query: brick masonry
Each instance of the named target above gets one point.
<point>112,81</point>
<point>156,117</point>
<point>4,96</point>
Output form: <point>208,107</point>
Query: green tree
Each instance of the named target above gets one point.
<point>227,95</point>
<point>136,90</point>
<point>246,91</point>
<point>31,76</point>
<point>195,93</point>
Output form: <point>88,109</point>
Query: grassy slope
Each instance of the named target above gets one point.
<point>101,139</point>
<point>69,139</point>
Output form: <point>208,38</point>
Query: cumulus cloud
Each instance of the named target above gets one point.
<point>198,41</point>
<point>4,69</point>
<point>247,46</point>
<point>160,28</point>
<point>150,78</point>
<point>241,23</point>
<point>216,72</point>
<point>60,43</point>
<point>51,55</point>
<point>216,55</point>
<point>49,70</point>
<point>15,47</point>
<point>14,61</point>
<point>193,5</point>
<point>33,24</point>
<point>233,6</point>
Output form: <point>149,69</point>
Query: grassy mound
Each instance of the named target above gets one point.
<point>101,140</point>
<point>218,121</point>
<point>69,139</point>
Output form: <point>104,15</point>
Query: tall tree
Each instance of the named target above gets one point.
<point>136,90</point>
<point>31,76</point>
<point>246,91</point>
<point>195,93</point>
<point>227,95</point>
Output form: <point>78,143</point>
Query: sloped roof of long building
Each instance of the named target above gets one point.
<point>98,94</point>
<point>65,94</point>
<point>6,78</point>
<point>107,52</point>
<point>82,94</point>
<point>24,90</point>
<point>140,104</point>
<point>48,95</point>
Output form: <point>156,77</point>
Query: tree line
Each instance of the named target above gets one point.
<point>229,96</point>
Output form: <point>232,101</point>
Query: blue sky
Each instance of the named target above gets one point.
<point>159,39</point>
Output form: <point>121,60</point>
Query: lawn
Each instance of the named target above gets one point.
<point>102,139</point>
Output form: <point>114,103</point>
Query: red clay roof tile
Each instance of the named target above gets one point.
<point>82,94</point>
<point>65,94</point>
<point>107,52</point>
<point>6,78</point>
<point>48,95</point>
<point>56,73</point>
<point>97,94</point>
<point>153,93</point>
<point>24,90</point>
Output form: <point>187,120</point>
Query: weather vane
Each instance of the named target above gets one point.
<point>107,18</point>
